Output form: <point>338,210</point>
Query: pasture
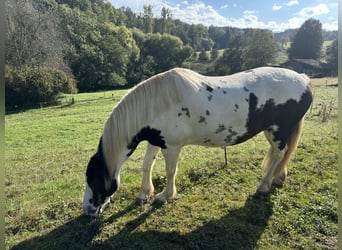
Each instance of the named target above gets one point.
<point>47,151</point>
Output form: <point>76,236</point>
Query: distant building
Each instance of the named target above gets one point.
<point>311,67</point>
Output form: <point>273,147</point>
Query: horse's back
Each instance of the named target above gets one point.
<point>271,82</point>
<point>264,84</point>
<point>221,110</point>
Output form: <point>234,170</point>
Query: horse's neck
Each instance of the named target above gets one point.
<point>114,148</point>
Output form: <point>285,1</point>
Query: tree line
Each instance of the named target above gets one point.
<point>94,46</point>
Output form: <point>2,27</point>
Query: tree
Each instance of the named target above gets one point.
<point>31,85</point>
<point>214,54</point>
<point>102,52</point>
<point>197,33</point>
<point>332,58</point>
<point>33,35</point>
<point>163,52</point>
<point>260,50</point>
<point>203,56</point>
<point>221,36</point>
<point>148,19</point>
<point>232,58</point>
<point>165,21</point>
<point>308,41</point>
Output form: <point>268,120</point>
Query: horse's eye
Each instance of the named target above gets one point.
<point>91,201</point>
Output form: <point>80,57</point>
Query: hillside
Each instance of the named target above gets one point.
<point>69,46</point>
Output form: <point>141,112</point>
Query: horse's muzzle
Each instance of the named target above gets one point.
<point>91,211</point>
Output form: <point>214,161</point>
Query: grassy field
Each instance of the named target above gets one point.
<point>47,151</point>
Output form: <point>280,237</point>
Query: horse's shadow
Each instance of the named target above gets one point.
<point>239,229</point>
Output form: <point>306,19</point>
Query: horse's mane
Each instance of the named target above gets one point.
<point>145,101</point>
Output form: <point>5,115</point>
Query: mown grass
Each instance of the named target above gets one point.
<point>47,151</point>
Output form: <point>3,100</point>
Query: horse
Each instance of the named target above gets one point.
<point>181,107</point>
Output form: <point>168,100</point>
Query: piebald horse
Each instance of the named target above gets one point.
<point>181,107</point>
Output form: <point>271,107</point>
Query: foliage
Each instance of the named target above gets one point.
<point>252,49</point>
<point>101,51</point>
<point>165,21</point>
<point>32,85</point>
<point>148,19</point>
<point>105,48</point>
<point>307,43</point>
<point>33,35</point>
<point>214,54</point>
<point>260,49</point>
<point>203,56</point>
<point>215,208</point>
<point>332,58</point>
<point>162,52</point>
<point>232,58</point>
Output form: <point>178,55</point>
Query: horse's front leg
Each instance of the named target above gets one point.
<point>171,157</point>
<point>147,188</point>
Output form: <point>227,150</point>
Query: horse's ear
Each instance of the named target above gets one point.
<point>113,188</point>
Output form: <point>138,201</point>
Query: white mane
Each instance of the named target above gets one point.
<point>145,101</point>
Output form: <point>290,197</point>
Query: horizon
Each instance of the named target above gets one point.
<point>277,16</point>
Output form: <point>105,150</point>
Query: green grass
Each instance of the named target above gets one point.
<point>47,151</point>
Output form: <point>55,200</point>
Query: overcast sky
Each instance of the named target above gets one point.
<point>276,15</point>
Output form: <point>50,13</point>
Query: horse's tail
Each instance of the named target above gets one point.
<point>292,146</point>
<point>292,142</point>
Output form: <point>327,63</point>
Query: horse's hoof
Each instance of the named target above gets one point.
<point>159,203</point>
<point>141,202</point>
<point>263,190</point>
<point>277,183</point>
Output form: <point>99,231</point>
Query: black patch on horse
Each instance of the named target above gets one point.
<point>206,140</point>
<point>202,119</point>
<point>286,116</point>
<point>97,173</point>
<point>146,134</point>
<point>245,89</point>
<point>208,88</point>
<point>187,112</point>
<point>220,128</point>
<point>210,97</point>
<point>207,112</point>
<point>229,137</point>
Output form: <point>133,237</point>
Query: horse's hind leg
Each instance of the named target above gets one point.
<point>278,156</point>
<point>275,156</point>
<point>280,173</point>
<point>171,157</point>
<point>147,188</point>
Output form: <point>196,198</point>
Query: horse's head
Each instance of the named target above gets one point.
<point>100,186</point>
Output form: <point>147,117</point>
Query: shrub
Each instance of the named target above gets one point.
<point>33,85</point>
<point>203,56</point>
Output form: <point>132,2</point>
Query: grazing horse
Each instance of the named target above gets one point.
<point>181,107</point>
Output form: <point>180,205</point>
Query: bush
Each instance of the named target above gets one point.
<point>203,56</point>
<point>34,85</point>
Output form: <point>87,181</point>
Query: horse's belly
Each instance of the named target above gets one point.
<point>203,125</point>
